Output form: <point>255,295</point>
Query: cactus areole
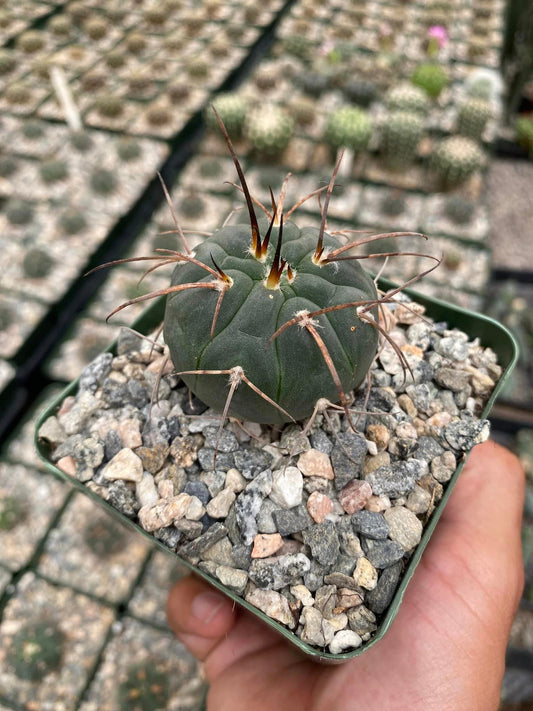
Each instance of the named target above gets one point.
<point>291,370</point>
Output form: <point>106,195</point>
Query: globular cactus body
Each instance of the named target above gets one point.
<point>291,370</point>
<point>269,129</point>
<point>408,97</point>
<point>350,127</point>
<point>473,117</point>
<point>456,158</point>
<point>401,133</point>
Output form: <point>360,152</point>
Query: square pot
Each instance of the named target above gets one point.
<point>490,333</point>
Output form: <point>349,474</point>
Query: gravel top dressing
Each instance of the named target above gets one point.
<point>313,524</point>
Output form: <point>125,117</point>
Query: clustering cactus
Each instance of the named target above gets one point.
<point>401,133</point>
<point>458,209</point>
<point>231,107</point>
<point>36,650</point>
<point>456,158</point>
<point>268,129</point>
<point>473,117</point>
<point>408,97</point>
<point>349,127</point>
<point>432,78</point>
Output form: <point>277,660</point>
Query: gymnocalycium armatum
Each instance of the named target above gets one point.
<point>266,321</point>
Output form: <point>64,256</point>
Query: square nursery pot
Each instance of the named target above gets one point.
<point>490,333</point>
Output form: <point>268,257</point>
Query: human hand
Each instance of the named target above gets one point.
<point>445,650</point>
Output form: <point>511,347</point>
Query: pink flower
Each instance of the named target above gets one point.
<point>439,34</point>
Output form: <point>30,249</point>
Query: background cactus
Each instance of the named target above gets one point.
<point>145,688</point>
<point>360,91</point>
<point>393,203</point>
<point>52,171</point>
<point>231,107</point>
<point>268,129</point>
<point>103,181</point>
<point>349,126</point>
<point>72,222</point>
<point>37,263</point>
<point>36,650</point>
<point>458,209</point>
<point>19,212</point>
<point>407,97</point>
<point>109,106</point>
<point>456,158</point>
<point>430,77</point>
<point>401,133</point>
<point>473,117</point>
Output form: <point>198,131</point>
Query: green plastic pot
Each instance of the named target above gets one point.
<point>489,332</point>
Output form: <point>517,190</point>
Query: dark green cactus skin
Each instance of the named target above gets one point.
<point>291,370</point>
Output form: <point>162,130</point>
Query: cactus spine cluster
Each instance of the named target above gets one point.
<point>456,158</point>
<point>473,117</point>
<point>349,126</point>
<point>401,133</point>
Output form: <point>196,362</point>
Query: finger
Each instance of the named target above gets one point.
<point>199,615</point>
<point>481,524</point>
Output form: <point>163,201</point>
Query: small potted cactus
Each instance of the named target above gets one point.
<point>456,159</point>
<point>273,325</point>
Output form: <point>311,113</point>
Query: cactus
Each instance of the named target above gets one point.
<point>72,222</point>
<point>452,259</point>
<point>18,94</point>
<point>275,309</point>
<point>128,149</point>
<point>407,97</point>
<point>155,16</point>
<point>432,78</point>
<point>265,79</point>
<point>456,158</point>
<point>483,83</point>
<point>349,126</point>
<point>192,205</point>
<point>458,209</point>
<point>146,688</point>
<point>115,59</point>
<point>8,166</point>
<point>393,203</point>
<point>198,68</point>
<point>13,510</point>
<point>32,130</point>
<point>178,91</point>
<point>103,181</point>
<point>524,132</point>
<point>159,115</point>
<point>96,27</point>
<point>268,129</point>
<point>79,11</point>
<point>60,25</point>
<point>94,80</point>
<point>81,141</point>
<point>104,537</point>
<point>19,212</point>
<point>139,84</point>
<point>231,108</point>
<point>31,41</point>
<point>37,263</point>
<point>210,168</point>
<point>303,110</point>
<point>298,45</point>
<point>109,106</point>
<point>8,62</point>
<point>360,91</point>
<point>473,117</point>
<point>313,82</point>
<point>136,43</point>
<point>36,650</point>
<point>400,135</point>
<point>53,171</point>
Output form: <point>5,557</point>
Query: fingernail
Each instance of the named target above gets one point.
<point>206,605</point>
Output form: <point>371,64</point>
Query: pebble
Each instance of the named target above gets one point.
<point>266,544</point>
<point>272,604</point>
<point>464,434</point>
<point>163,513</point>
<point>316,630</point>
<point>287,487</point>
<point>347,598</point>
<point>220,553</point>
<point>222,441</point>
<point>453,347</point>
<point>418,500</point>
<point>365,574</point>
<point>382,553</point>
<point>247,507</point>
<point>233,578</point>
<point>319,506</point>
<point>292,520</point>
<point>125,465</point>
<point>146,490</point>
<point>347,458</point>
<point>370,524</point>
<point>381,459</point>
<point>52,432</point>
<point>378,504</point>
<point>354,495</point>
<point>344,640</point>
<point>405,527</point>
<point>380,597</point>
<point>234,481</point>
<point>275,573</point>
<point>362,620</point>
<point>302,594</point>
<point>443,467</point>
<point>323,541</point>
<point>129,431</point>
<point>378,434</point>
<point>191,551</point>
<point>153,458</point>
<point>315,463</point>
<point>395,480</point>
<point>452,379</point>
<point>265,520</point>
<point>220,504</point>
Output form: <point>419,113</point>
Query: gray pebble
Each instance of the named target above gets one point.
<point>112,445</point>
<point>453,347</point>
<point>232,578</point>
<point>428,448</point>
<point>250,461</point>
<point>323,541</point>
<point>94,374</point>
<point>265,520</point>
<point>464,434</point>
<point>247,507</point>
<point>314,577</point>
<point>395,480</point>
<point>208,461</point>
<point>320,441</point>
<point>382,553</point>
<point>192,551</point>
<point>292,520</point>
<point>362,620</point>
<point>275,573</point>
<point>227,442</point>
<point>370,524</point>
<point>169,536</point>
<point>242,556</point>
<point>123,498</point>
<point>378,599</point>
<point>198,489</point>
<point>347,457</point>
